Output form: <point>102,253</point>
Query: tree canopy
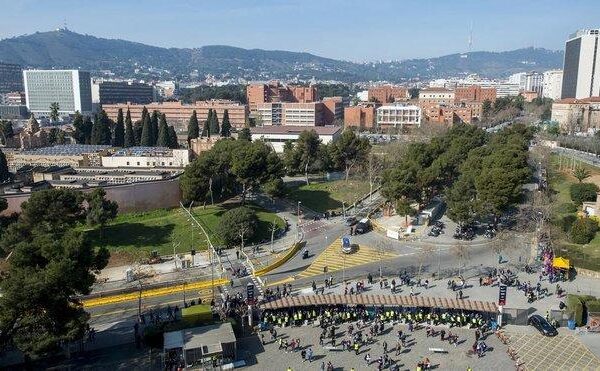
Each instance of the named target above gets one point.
<point>237,226</point>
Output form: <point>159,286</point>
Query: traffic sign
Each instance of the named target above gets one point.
<point>345,241</point>
<point>502,295</point>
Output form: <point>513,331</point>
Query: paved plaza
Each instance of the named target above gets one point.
<point>417,347</point>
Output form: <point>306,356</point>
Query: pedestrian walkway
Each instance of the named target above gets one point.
<point>334,259</point>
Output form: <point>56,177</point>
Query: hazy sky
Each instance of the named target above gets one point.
<point>345,29</point>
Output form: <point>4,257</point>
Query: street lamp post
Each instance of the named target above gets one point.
<point>299,221</point>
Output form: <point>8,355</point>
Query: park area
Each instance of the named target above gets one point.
<point>133,236</point>
<point>585,256</point>
<point>321,196</point>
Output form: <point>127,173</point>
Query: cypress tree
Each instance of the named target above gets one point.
<point>214,123</point>
<point>206,128</point>
<point>146,137</point>
<point>226,126</point>
<point>95,136</point>
<point>163,132</point>
<point>154,126</point>
<point>129,140</point>
<point>173,143</point>
<point>105,128</point>
<point>4,173</point>
<point>119,130</point>
<point>193,129</point>
<point>137,132</point>
<point>88,126</point>
<point>144,113</point>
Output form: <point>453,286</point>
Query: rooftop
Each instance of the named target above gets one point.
<point>67,150</point>
<point>144,151</point>
<point>578,101</point>
<point>290,129</point>
<point>206,338</point>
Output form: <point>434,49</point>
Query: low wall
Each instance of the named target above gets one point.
<point>143,196</point>
<point>587,273</point>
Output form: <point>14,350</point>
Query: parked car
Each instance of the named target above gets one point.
<point>542,325</point>
<point>350,221</point>
<point>349,249</point>
<point>363,226</point>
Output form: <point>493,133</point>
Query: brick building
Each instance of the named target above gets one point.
<point>448,115</point>
<point>286,113</point>
<point>273,91</point>
<point>387,94</point>
<point>334,109</point>
<point>474,93</point>
<point>432,97</point>
<point>360,116</point>
<point>178,113</point>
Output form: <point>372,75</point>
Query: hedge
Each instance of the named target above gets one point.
<point>575,309</point>
<point>593,306</point>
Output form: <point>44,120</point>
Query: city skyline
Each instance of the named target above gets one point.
<point>346,30</point>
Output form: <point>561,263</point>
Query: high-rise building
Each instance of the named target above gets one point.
<point>11,78</point>
<point>534,81</point>
<point>69,88</point>
<point>581,70</point>
<point>112,92</point>
<point>552,84</point>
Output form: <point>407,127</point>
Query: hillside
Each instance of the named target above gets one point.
<point>67,49</point>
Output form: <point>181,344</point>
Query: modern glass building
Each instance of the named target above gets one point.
<point>11,78</point>
<point>71,89</point>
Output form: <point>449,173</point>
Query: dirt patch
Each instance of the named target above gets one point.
<point>593,179</point>
<point>121,258</point>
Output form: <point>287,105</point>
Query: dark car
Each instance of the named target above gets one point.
<point>542,325</point>
<point>363,226</point>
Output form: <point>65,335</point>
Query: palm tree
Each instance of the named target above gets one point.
<point>54,107</point>
<point>581,173</point>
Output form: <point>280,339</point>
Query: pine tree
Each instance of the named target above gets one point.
<point>173,142</point>
<point>214,123</point>
<point>163,132</point>
<point>154,126</point>
<point>226,126</point>
<point>146,137</point>
<point>193,129</point>
<point>4,173</point>
<point>129,140</point>
<point>119,130</point>
<point>101,133</point>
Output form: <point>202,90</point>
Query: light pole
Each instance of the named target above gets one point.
<point>326,253</point>
<point>344,209</point>
<point>298,225</point>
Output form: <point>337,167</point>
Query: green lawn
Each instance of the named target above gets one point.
<point>583,256</point>
<point>137,234</point>
<point>327,196</point>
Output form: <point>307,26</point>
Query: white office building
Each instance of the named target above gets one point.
<point>277,135</point>
<point>581,76</point>
<point>534,81</point>
<point>552,84</point>
<point>398,116</point>
<point>71,89</point>
<point>147,157</point>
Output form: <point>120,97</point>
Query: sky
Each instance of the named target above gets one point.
<point>366,30</point>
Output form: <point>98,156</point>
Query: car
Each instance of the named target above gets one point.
<point>363,226</point>
<point>543,326</point>
<point>349,249</point>
<point>350,221</point>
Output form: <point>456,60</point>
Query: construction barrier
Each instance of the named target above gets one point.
<point>288,255</point>
<point>131,296</point>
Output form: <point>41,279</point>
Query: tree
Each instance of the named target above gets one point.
<point>100,210</point>
<point>54,108</point>
<point>146,137</point>
<point>244,134</point>
<point>461,251</point>
<point>274,187</point>
<point>163,132</point>
<point>173,142</point>
<point>214,123</point>
<point>53,135</point>
<point>193,130</point>
<point>250,165</point>
<point>119,140</point>
<point>206,126</point>
<point>226,125</point>
<point>6,131</point>
<point>583,192</point>
<point>237,226</point>
<point>50,267</point>
<point>101,130</point>
<point>308,146</point>
<point>129,136</point>
<point>486,108</point>
<point>581,173</point>
<point>583,230</point>
<point>349,150</point>
<point>83,129</point>
<point>4,173</point>
<point>137,132</point>
<point>154,127</point>
<point>3,205</point>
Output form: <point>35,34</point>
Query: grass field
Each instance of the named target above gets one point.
<point>583,256</point>
<point>135,235</point>
<point>327,196</point>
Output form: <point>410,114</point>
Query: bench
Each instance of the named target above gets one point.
<point>438,350</point>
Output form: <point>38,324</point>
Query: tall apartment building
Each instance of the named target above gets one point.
<point>178,113</point>
<point>69,88</point>
<point>276,92</point>
<point>552,84</point>
<point>290,114</point>
<point>11,78</point>
<point>581,76</point>
<point>111,92</point>
<point>534,81</point>
<point>387,94</point>
<point>398,116</point>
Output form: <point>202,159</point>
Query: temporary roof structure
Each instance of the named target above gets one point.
<point>561,263</point>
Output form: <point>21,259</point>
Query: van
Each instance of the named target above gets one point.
<point>363,226</point>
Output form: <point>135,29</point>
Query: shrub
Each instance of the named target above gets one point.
<point>583,192</point>
<point>236,223</point>
<point>583,230</point>
<point>575,309</point>
<point>566,208</point>
<point>567,222</point>
<point>593,306</point>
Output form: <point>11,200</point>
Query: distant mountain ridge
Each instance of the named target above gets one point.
<point>67,49</point>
